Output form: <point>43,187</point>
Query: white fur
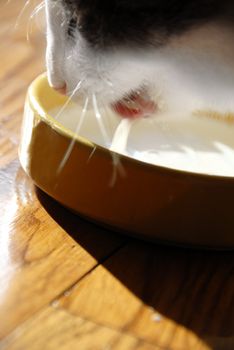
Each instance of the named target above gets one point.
<point>194,71</point>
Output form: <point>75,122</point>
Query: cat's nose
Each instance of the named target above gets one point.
<point>62,90</point>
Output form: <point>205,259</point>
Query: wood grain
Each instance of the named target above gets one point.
<point>67,284</point>
<point>165,298</point>
<point>171,298</point>
<point>58,329</point>
<point>39,260</point>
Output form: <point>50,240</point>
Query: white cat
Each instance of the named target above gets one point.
<point>174,57</point>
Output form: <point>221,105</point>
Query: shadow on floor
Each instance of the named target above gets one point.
<point>194,288</point>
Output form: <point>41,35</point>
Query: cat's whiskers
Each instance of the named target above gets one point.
<point>35,12</point>
<point>37,9</point>
<point>107,140</point>
<point>21,13</point>
<point>72,143</point>
<point>116,161</point>
<point>99,118</point>
<point>117,165</point>
<point>64,106</point>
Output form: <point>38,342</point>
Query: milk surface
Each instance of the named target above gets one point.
<point>196,144</point>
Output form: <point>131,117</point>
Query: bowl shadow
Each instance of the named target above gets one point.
<point>192,287</point>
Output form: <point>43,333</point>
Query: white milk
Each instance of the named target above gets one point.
<point>198,144</point>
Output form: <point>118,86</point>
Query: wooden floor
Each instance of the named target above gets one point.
<point>67,284</point>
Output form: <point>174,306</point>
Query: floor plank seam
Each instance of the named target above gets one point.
<point>65,291</point>
<point>100,262</point>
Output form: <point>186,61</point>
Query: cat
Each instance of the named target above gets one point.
<point>172,58</point>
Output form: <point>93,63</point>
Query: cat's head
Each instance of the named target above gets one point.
<point>113,49</point>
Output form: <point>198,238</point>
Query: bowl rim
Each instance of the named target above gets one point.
<point>37,106</point>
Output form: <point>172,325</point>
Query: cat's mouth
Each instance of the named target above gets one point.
<point>135,105</point>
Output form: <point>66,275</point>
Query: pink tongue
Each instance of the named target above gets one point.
<point>134,106</point>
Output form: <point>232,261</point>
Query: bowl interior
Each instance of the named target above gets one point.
<point>198,144</point>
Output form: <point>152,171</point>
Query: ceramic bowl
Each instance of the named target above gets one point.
<point>152,202</point>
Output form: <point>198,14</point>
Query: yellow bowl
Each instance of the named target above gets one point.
<point>150,201</point>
